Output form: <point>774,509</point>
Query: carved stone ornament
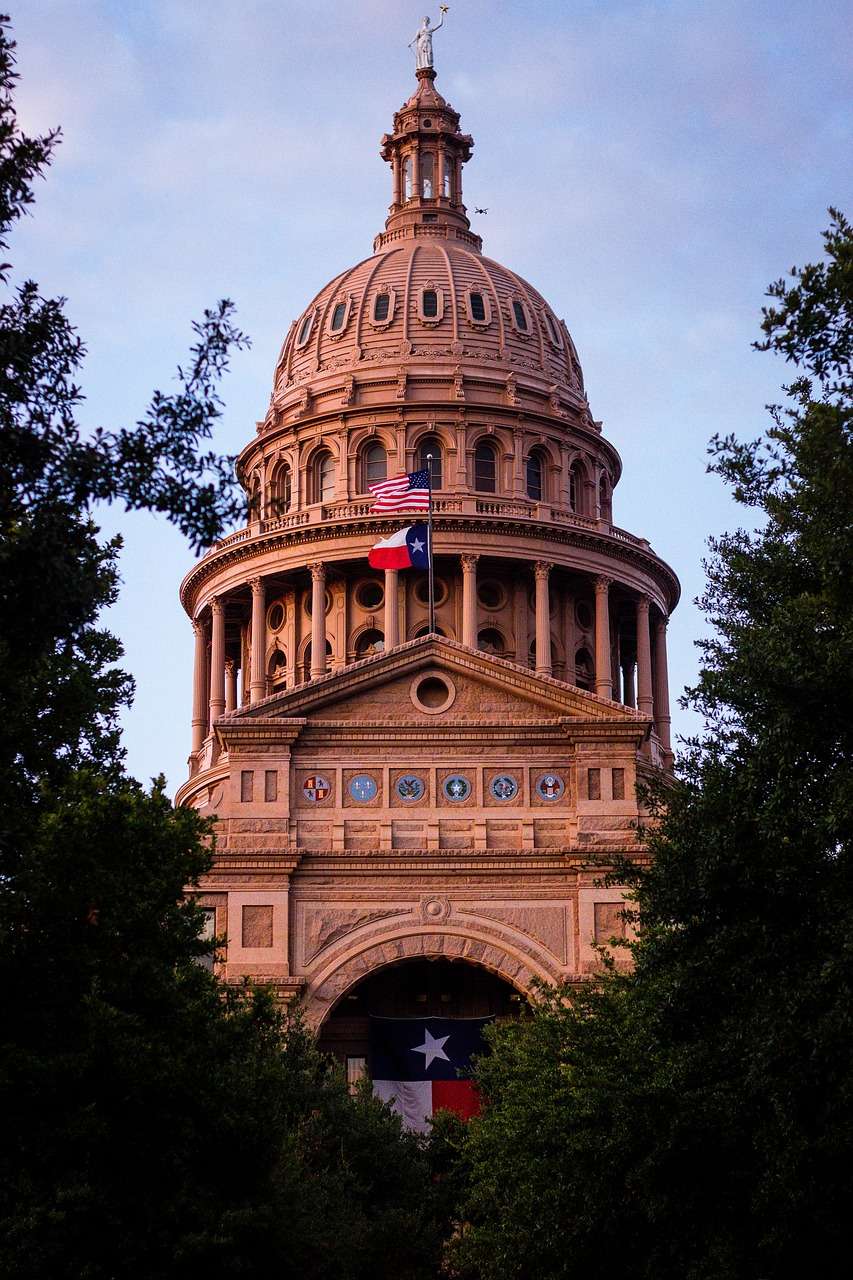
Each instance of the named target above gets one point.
<point>435,910</point>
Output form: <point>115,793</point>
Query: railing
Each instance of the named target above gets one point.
<point>464,505</point>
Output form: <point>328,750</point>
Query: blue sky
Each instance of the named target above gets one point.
<point>649,166</point>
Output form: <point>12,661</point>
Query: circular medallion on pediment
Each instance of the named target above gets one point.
<point>363,788</point>
<point>550,786</point>
<point>316,788</point>
<point>410,787</point>
<point>504,787</point>
<point>457,788</point>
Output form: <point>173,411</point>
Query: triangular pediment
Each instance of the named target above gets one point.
<point>384,689</point>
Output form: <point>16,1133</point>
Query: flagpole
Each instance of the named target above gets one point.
<point>429,540</point>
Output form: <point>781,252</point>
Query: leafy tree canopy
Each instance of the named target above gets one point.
<point>694,1118</point>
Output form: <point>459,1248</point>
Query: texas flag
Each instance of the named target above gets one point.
<point>406,549</point>
<point>417,1065</point>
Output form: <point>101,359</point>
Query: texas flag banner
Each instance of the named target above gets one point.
<point>406,549</point>
<point>406,492</point>
<point>416,1065</point>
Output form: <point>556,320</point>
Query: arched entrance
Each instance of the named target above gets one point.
<point>417,988</point>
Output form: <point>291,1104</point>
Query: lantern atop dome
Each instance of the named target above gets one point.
<point>426,152</point>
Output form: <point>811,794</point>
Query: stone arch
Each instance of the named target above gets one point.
<point>517,965</point>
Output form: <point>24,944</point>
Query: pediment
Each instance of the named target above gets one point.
<point>383,689</point>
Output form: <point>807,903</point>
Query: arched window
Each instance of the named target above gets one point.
<point>478,307</point>
<point>278,665</point>
<point>429,303</point>
<point>584,670</point>
<point>305,329</point>
<point>553,331</point>
<point>519,313</point>
<point>407,178</point>
<point>576,487</point>
<point>306,660</point>
<point>254,497</point>
<point>604,504</point>
<point>374,465</point>
<point>339,315</point>
<point>381,307</point>
<point>447,179</point>
<point>485,468</point>
<point>535,476</point>
<point>281,490</point>
<point>368,643</point>
<point>324,478</point>
<point>431,445</point>
<point>427,168</point>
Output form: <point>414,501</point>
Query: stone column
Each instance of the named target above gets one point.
<point>396,193</point>
<point>392,609</point>
<point>630,697</point>
<point>318,619</point>
<point>541,570</point>
<point>199,687</point>
<point>645,700</point>
<point>661,693</point>
<point>230,685</point>
<point>603,678</point>
<point>217,660</point>
<point>469,600</point>
<point>258,683</point>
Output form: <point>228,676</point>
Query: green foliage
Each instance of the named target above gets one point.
<point>155,1124</point>
<point>695,1117</point>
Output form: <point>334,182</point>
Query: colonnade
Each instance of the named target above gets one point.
<point>215,675</point>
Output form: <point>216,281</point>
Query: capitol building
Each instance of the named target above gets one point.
<point>416,821</point>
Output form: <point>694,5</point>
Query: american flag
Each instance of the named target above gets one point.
<point>406,492</point>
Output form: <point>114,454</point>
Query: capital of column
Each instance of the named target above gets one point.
<point>542,569</point>
<point>257,585</point>
<point>602,584</point>
<point>216,606</point>
<point>662,622</point>
<point>229,666</point>
<point>469,563</point>
<point>198,627</point>
<point>318,570</point>
<point>643,604</point>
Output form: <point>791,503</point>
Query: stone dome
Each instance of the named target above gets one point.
<point>428,299</point>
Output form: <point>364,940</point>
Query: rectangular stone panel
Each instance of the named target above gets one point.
<point>247,780</point>
<point>257,926</point>
<point>314,835</point>
<point>361,835</point>
<point>503,835</point>
<point>618,784</point>
<point>271,785</point>
<point>409,835</point>
<point>455,835</point>
<point>608,921</point>
<point>550,833</point>
<point>593,784</point>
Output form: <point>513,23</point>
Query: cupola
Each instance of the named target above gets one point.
<point>426,152</point>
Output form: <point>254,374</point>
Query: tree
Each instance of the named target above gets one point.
<point>694,1118</point>
<point>154,1123</point>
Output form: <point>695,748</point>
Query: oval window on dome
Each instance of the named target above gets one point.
<point>305,330</point>
<point>381,308</point>
<point>429,303</point>
<point>519,312</point>
<point>339,316</point>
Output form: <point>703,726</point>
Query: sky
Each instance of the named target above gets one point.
<point>650,167</point>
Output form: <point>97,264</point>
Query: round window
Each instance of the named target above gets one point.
<point>491,594</point>
<point>275,616</point>
<point>432,692</point>
<point>370,594</point>
<point>306,602</point>
<point>421,590</point>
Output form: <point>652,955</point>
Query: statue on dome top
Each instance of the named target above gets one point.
<point>423,40</point>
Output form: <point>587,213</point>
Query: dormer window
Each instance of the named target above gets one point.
<point>305,330</point>
<point>381,307</point>
<point>519,316</point>
<point>553,331</point>
<point>431,305</point>
<point>339,316</point>
<point>478,307</point>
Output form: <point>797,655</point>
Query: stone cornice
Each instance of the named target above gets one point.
<point>521,530</point>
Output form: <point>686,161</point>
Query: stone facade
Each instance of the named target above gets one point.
<point>386,794</point>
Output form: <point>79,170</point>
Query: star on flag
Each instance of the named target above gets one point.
<point>420,1065</point>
